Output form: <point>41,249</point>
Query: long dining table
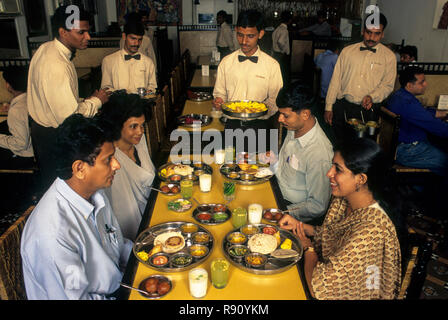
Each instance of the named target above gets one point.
<point>242,285</point>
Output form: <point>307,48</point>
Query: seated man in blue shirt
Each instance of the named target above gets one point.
<point>326,62</point>
<point>414,149</point>
<point>72,246</point>
<point>304,159</point>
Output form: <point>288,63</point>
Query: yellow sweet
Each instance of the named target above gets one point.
<point>143,255</point>
<point>246,107</point>
<point>287,244</point>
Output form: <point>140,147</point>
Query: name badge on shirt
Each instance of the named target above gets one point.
<point>293,162</point>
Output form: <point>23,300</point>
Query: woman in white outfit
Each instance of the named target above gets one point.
<point>130,190</point>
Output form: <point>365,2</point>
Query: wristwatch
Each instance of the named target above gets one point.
<point>310,249</point>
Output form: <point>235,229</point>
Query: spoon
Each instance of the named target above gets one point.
<point>132,288</point>
<point>157,190</point>
<point>199,204</point>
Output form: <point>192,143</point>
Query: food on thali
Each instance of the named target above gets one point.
<point>272,215</point>
<point>170,189</point>
<point>189,228</point>
<point>211,214</point>
<point>255,260</point>
<point>262,243</point>
<point>201,237</point>
<point>287,244</point>
<point>269,230</point>
<point>171,241</point>
<point>156,286</point>
<point>143,255</point>
<point>249,230</point>
<point>181,260</point>
<point>179,205</point>
<point>219,207</point>
<point>245,107</point>
<point>159,260</point>
<point>204,216</point>
<point>284,253</point>
<point>238,251</point>
<point>198,251</point>
<point>236,238</point>
<point>263,172</point>
<point>246,173</point>
<point>180,169</point>
<point>220,216</point>
<point>157,248</point>
<point>248,168</point>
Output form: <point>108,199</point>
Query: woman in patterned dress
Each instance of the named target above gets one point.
<point>355,253</point>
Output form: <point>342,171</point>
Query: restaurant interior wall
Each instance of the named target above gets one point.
<point>412,21</point>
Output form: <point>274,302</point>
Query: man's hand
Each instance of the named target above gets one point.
<point>217,102</point>
<point>268,157</point>
<point>367,102</point>
<point>328,117</point>
<point>441,114</point>
<point>102,94</point>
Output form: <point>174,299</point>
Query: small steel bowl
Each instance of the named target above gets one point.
<point>160,254</point>
<point>201,237</point>
<point>273,212</point>
<point>154,295</point>
<point>186,256</point>
<point>188,229</point>
<point>175,178</point>
<point>198,172</point>
<point>233,175</point>
<point>236,235</point>
<point>220,207</point>
<point>196,248</point>
<point>247,177</point>
<point>192,177</point>
<point>249,230</point>
<point>236,246</point>
<point>248,256</point>
<point>204,208</point>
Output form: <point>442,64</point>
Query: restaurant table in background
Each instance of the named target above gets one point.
<point>200,81</point>
<point>242,285</point>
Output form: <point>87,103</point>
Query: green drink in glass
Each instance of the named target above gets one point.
<point>239,217</point>
<point>229,191</point>
<point>186,189</point>
<point>220,272</point>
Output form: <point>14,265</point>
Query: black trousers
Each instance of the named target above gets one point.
<point>223,51</point>
<point>344,110</point>
<point>260,129</point>
<point>44,145</point>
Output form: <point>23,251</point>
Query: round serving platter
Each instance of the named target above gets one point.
<point>196,238</point>
<point>199,96</point>
<point>272,265</point>
<point>212,214</point>
<point>192,120</point>
<point>234,173</point>
<point>198,169</point>
<point>241,115</point>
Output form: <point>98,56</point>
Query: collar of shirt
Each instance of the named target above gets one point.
<point>256,53</point>
<point>17,99</point>
<point>63,49</point>
<point>81,204</point>
<point>307,137</point>
<point>378,47</point>
<point>124,53</point>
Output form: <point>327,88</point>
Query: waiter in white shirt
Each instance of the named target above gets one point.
<point>249,74</point>
<point>280,44</point>
<point>224,40</point>
<point>127,68</point>
<point>53,87</point>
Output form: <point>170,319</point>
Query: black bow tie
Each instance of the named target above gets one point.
<point>367,48</point>
<point>129,57</point>
<point>243,58</point>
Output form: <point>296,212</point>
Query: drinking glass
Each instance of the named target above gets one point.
<point>255,213</point>
<point>205,182</point>
<point>198,279</point>
<point>229,154</point>
<point>186,188</point>
<point>220,156</point>
<point>229,191</point>
<point>220,272</point>
<point>239,217</point>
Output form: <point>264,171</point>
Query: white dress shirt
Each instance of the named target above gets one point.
<point>360,73</point>
<point>53,87</point>
<point>19,142</point>
<point>280,39</point>
<point>130,190</point>
<point>131,74</point>
<point>225,37</point>
<point>301,173</point>
<point>246,80</point>
<point>72,249</point>
<point>146,48</point>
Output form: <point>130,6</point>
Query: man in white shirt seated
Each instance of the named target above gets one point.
<point>16,150</point>
<point>280,45</point>
<point>127,68</point>
<point>52,93</point>
<point>224,39</point>
<point>72,247</point>
<point>304,159</point>
<point>249,74</point>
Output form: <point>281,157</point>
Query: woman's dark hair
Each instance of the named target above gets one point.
<point>61,17</point>
<point>363,155</point>
<point>296,97</point>
<point>250,19</point>
<point>120,107</point>
<point>17,77</point>
<point>80,138</point>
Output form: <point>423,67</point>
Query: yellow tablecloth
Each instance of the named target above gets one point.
<point>242,285</point>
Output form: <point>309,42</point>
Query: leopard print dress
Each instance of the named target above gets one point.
<point>359,255</point>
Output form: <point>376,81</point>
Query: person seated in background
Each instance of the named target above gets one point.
<point>416,122</point>
<point>321,29</point>
<point>280,45</point>
<point>326,62</point>
<point>355,254</point>
<point>72,246</point>
<point>127,69</point>
<point>146,47</point>
<point>224,39</point>
<point>16,150</point>
<point>395,49</point>
<point>132,184</point>
<point>305,157</point>
<point>409,54</point>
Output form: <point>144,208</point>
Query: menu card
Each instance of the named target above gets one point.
<point>205,70</point>
<point>443,102</point>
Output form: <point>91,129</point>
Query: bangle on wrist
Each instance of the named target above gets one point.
<point>310,249</point>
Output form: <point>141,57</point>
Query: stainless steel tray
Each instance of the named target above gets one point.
<point>199,96</point>
<point>145,240</point>
<point>194,176</point>
<point>211,221</point>
<point>273,265</point>
<point>239,180</point>
<point>241,115</point>
<point>197,119</point>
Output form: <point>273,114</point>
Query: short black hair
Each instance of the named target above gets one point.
<point>250,19</point>
<point>222,13</point>
<point>297,97</point>
<point>60,18</point>
<point>120,107</point>
<point>383,20</point>
<point>408,75</point>
<point>285,16</point>
<point>335,44</point>
<point>80,138</point>
<point>134,26</point>
<point>17,77</point>
<point>412,51</point>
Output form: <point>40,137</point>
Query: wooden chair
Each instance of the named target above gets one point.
<point>158,116</point>
<point>408,273</point>
<point>151,136</point>
<point>166,104</point>
<point>186,59</point>
<point>12,285</point>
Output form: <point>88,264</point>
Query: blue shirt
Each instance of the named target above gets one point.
<point>415,120</point>
<point>301,173</point>
<point>71,248</point>
<point>326,62</point>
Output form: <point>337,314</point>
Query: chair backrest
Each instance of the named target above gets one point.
<point>387,138</point>
<point>408,273</point>
<point>158,115</point>
<point>151,135</point>
<point>166,104</point>
<point>12,285</point>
